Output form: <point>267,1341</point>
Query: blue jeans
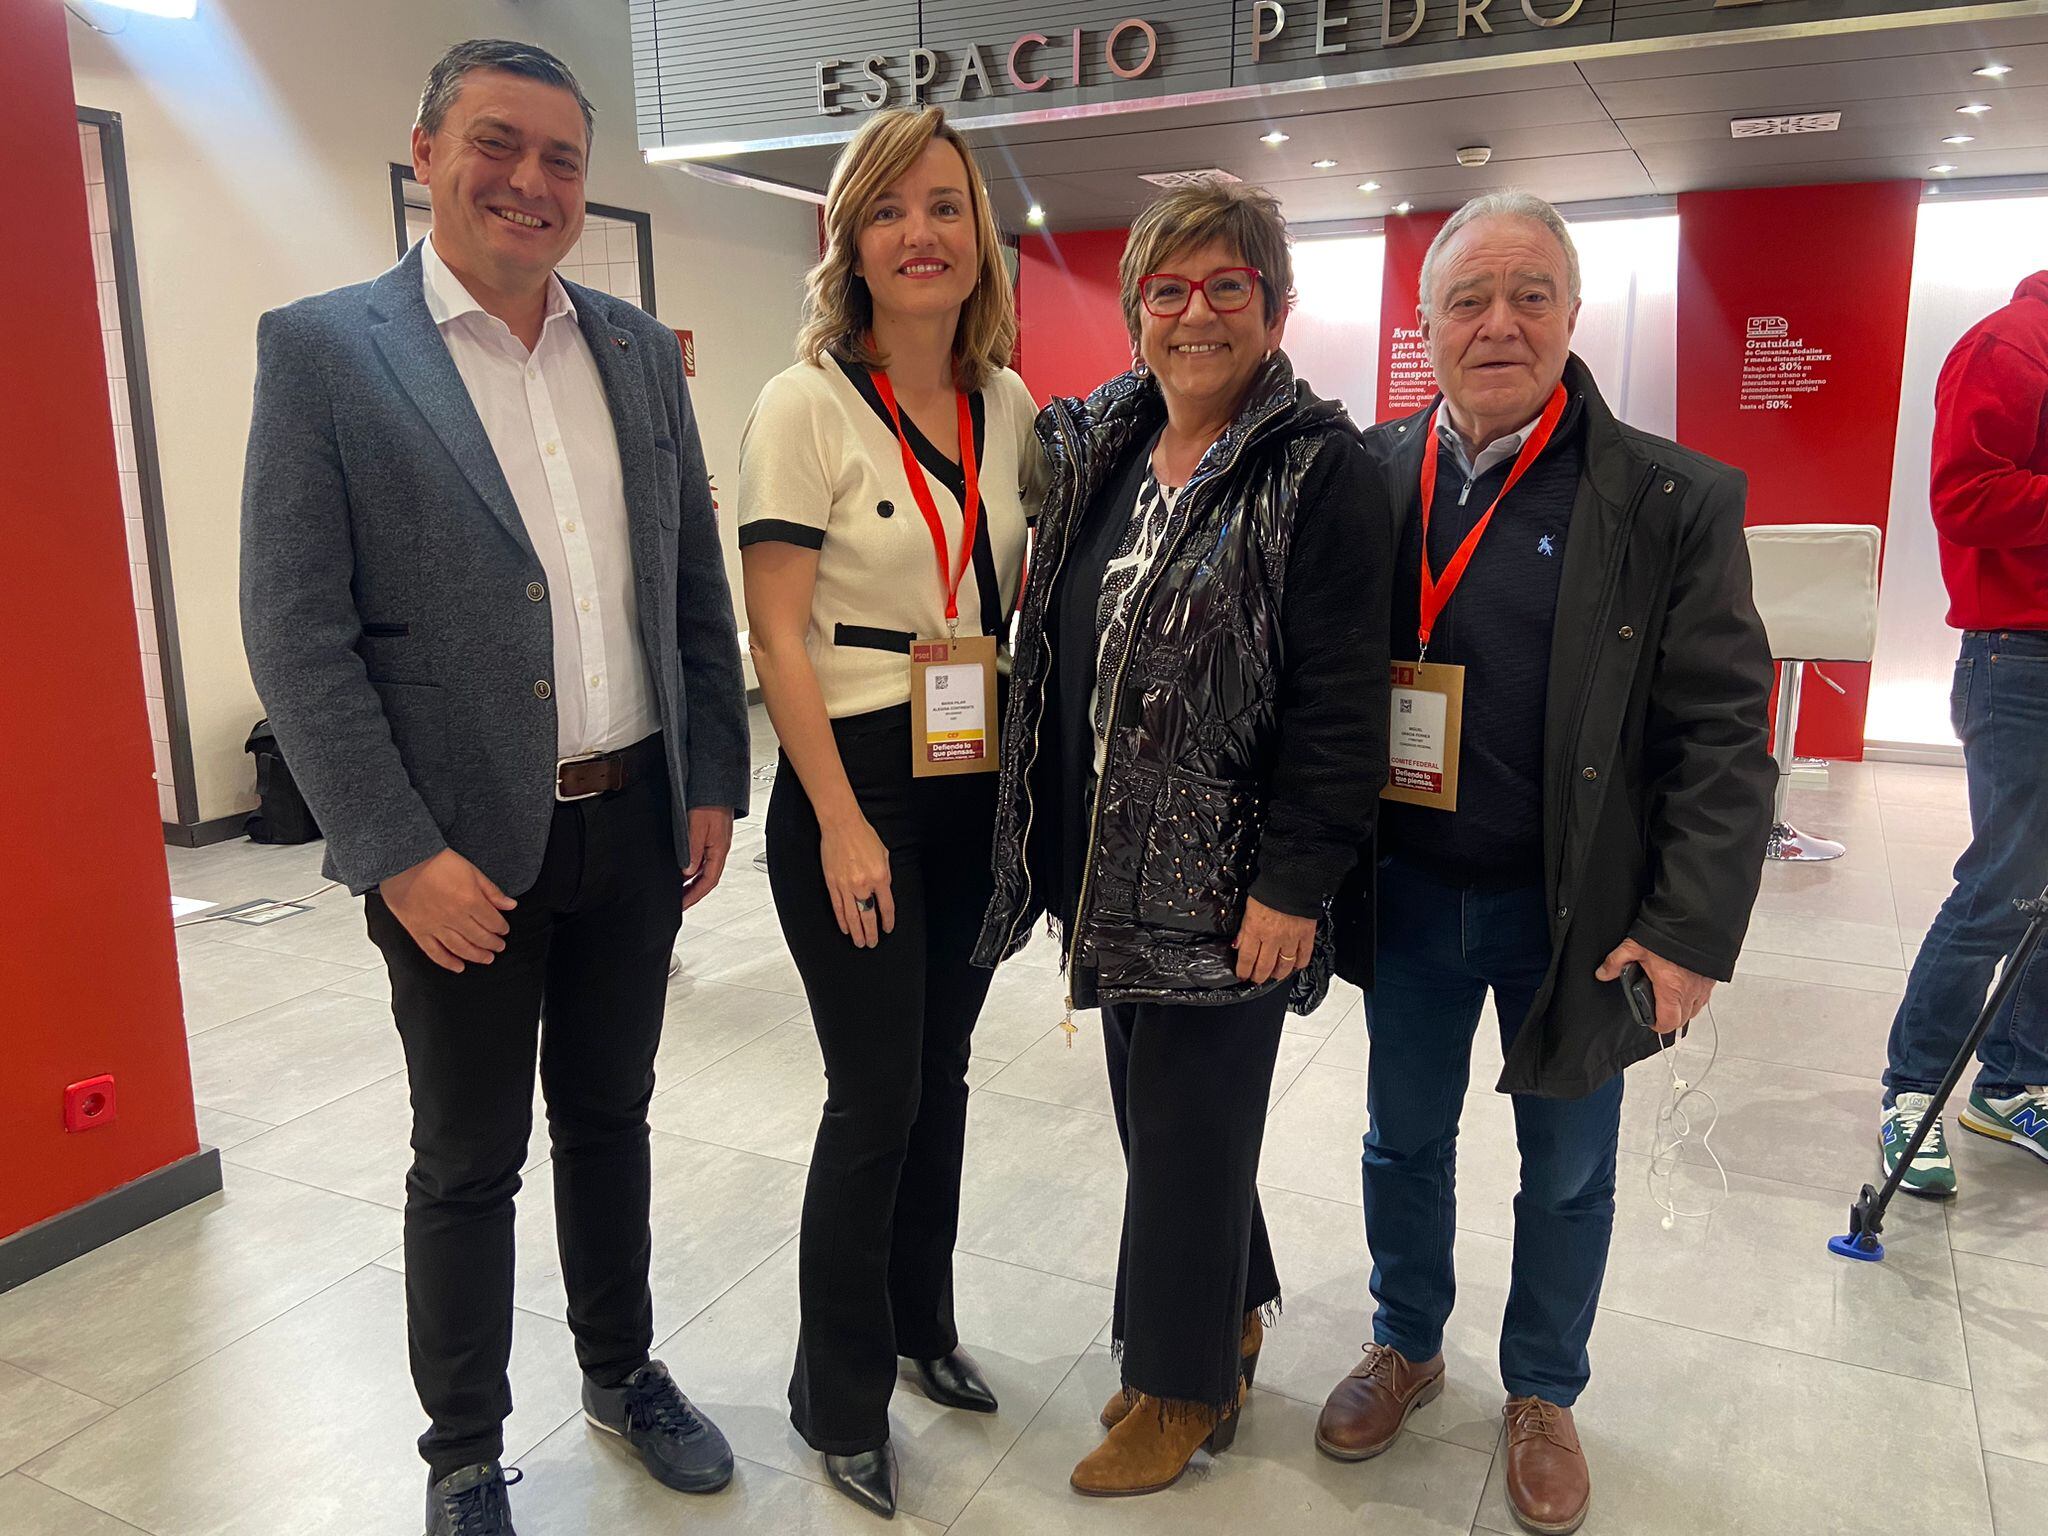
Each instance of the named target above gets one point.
<point>1440,948</point>
<point>1999,707</point>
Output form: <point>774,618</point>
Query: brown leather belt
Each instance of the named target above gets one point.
<point>606,773</point>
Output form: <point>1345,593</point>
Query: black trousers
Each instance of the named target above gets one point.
<point>581,978</point>
<point>882,1205</point>
<point>1190,1087</point>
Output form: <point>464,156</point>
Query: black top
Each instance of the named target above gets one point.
<point>1498,627</point>
<point>1327,569</point>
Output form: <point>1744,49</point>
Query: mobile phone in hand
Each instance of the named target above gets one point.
<point>1642,997</point>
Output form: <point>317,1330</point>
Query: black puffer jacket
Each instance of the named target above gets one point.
<point>1193,806</point>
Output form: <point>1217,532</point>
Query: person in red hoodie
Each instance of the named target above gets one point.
<point>1989,496</point>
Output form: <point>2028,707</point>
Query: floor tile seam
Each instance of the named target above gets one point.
<point>1789,1349</point>
<point>725,1055</point>
<point>228,1157</point>
<point>206,1029</point>
<point>1025,1098</point>
<point>1033,1269</point>
<point>254,940</point>
<point>1800,954</point>
<point>278,1125</point>
<point>29,1370</point>
<point>773,1254</point>
<point>1011,1449</point>
<point>1978,1253</point>
<point>1969,1366</point>
<point>65,1493</point>
<point>700,1141</point>
<point>191,1366</point>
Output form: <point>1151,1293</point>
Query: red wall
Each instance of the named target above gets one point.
<point>1406,383</point>
<point>1070,319</point>
<point>1834,264</point>
<point>88,966</point>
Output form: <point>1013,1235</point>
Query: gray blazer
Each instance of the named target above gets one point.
<point>393,608</point>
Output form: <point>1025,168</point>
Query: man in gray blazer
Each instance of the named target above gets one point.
<point>485,606</point>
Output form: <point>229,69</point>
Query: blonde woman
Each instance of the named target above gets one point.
<point>885,485</point>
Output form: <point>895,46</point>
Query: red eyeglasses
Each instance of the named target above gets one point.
<point>1168,294</point>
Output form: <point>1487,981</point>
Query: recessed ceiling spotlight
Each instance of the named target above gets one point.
<point>1034,215</point>
<point>1974,108</point>
<point>1939,170</point>
<point>1324,164</point>
<point>1275,137</point>
<point>1993,71</point>
<point>1368,186</point>
<point>1404,207</point>
<point>1960,138</point>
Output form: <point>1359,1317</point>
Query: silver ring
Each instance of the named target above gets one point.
<point>863,903</point>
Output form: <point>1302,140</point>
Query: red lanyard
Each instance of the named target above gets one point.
<point>1436,593</point>
<point>970,507</point>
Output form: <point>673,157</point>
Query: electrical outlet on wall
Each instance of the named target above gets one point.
<point>88,1105</point>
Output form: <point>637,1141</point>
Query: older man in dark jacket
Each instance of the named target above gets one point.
<point>1580,782</point>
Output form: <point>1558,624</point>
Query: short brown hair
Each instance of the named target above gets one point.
<point>838,309</point>
<point>1247,219</point>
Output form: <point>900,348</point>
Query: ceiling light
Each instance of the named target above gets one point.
<point>1939,170</point>
<point>1034,215</point>
<point>1974,108</point>
<point>1404,207</point>
<point>1368,186</point>
<point>1993,71</point>
<point>1275,137</point>
<point>1322,165</point>
<point>1475,155</point>
<point>1960,138</point>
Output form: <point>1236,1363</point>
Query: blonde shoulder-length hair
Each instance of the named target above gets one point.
<point>838,309</point>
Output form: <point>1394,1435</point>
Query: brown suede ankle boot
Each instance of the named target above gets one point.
<point>1152,1445</point>
<point>1252,1341</point>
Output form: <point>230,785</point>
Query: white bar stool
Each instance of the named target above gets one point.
<point>1816,588</point>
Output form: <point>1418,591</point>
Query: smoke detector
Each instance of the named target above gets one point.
<point>1171,179</point>
<point>1794,122</point>
<point>1475,155</point>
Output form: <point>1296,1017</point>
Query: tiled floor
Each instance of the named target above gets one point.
<point>239,1369</point>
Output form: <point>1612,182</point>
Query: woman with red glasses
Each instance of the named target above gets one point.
<point>1193,751</point>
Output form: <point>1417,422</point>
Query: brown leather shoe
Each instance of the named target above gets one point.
<point>1365,1411</point>
<point>1549,1488</point>
<point>1249,1345</point>
<point>1150,1448</point>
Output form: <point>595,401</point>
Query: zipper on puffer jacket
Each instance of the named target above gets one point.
<point>1030,762</point>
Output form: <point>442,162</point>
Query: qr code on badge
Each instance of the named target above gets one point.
<point>1407,706</point>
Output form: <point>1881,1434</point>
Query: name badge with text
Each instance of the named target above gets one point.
<point>953,706</point>
<point>1426,711</point>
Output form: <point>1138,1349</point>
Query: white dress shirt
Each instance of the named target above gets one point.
<point>550,425</point>
<point>1495,452</point>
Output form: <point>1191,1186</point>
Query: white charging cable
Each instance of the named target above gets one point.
<point>1687,1106</point>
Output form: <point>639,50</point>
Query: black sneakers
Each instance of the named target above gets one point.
<point>472,1502</point>
<point>680,1447</point>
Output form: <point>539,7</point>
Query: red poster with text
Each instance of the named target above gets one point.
<point>1406,384</point>
<point>1791,342</point>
